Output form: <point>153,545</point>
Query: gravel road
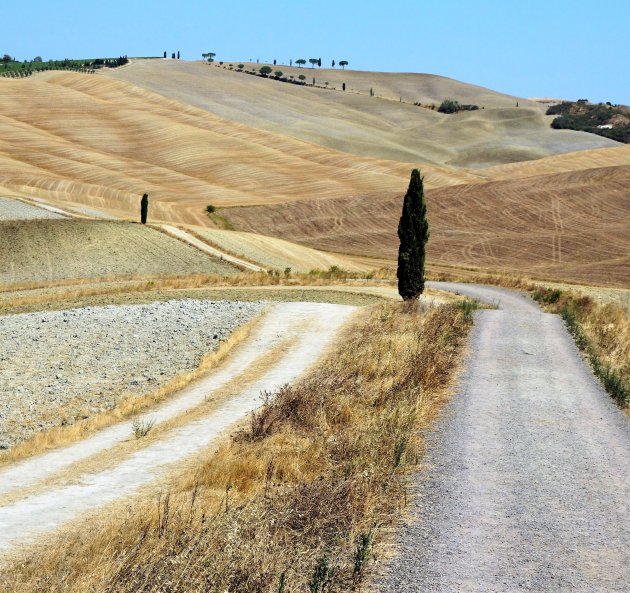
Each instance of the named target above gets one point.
<point>527,478</point>
<point>62,365</point>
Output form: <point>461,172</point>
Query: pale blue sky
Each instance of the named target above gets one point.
<point>557,48</point>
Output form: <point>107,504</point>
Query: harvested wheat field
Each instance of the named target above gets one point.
<point>42,251</point>
<point>569,226</point>
<point>321,167</point>
<point>381,127</point>
<point>273,253</point>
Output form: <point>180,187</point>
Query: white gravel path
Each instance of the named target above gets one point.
<point>191,240</point>
<point>527,484</point>
<point>314,325</point>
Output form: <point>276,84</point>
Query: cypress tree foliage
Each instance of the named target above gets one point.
<point>413,232</point>
<point>144,208</point>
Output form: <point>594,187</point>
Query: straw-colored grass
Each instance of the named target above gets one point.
<point>300,499</point>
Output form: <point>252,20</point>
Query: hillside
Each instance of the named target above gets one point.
<point>92,140</point>
<point>36,251</point>
<point>571,226</point>
<point>380,127</point>
<point>320,167</point>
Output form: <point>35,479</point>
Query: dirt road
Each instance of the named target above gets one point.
<point>527,478</point>
<point>43,493</point>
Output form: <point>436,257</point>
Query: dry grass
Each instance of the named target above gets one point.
<point>73,290</point>
<point>321,468</point>
<point>601,331</point>
<point>128,405</point>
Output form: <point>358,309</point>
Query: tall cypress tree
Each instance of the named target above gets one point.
<point>144,208</point>
<point>413,232</point>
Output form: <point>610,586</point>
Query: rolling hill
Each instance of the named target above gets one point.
<point>380,127</point>
<point>322,167</point>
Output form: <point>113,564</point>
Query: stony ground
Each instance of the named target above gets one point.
<point>526,481</point>
<point>11,209</point>
<point>62,365</point>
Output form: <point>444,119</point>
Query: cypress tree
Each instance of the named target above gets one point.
<point>144,208</point>
<point>413,232</point>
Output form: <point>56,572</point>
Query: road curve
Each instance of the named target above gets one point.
<point>311,327</point>
<point>527,478</point>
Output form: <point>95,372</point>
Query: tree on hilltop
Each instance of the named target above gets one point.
<point>313,61</point>
<point>209,56</point>
<point>265,70</point>
<point>343,64</point>
<point>413,232</point>
<point>300,62</point>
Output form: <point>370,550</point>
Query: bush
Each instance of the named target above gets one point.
<point>210,209</point>
<point>449,106</point>
<point>265,70</point>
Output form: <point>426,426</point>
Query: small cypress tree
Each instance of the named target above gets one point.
<point>413,232</point>
<point>144,208</point>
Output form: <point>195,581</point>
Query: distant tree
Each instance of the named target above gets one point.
<point>343,86</point>
<point>274,62</point>
<point>302,77</point>
<point>37,59</point>
<point>313,81</point>
<point>265,70</point>
<point>291,62</point>
<point>209,56</point>
<point>144,208</point>
<point>164,54</point>
<point>278,73</point>
<point>300,62</point>
<point>173,56</point>
<point>210,209</point>
<point>333,63</point>
<point>313,61</point>
<point>319,62</point>
<point>449,106</point>
<point>413,232</point>
<point>343,64</point>
<point>178,54</point>
<point>241,66</point>
<point>6,58</point>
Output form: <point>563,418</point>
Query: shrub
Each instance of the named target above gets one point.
<point>265,70</point>
<point>449,106</point>
<point>210,209</point>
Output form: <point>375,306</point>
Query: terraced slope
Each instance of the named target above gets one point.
<point>568,226</point>
<point>379,127</point>
<point>48,250</point>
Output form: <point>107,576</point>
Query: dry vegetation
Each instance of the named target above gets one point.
<point>295,501</point>
<point>601,331</point>
<point>564,226</point>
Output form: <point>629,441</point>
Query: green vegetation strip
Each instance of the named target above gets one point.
<point>600,332</point>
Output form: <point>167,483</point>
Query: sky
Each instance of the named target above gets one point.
<point>529,48</point>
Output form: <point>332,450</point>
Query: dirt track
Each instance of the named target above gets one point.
<point>35,508</point>
<point>526,484</point>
